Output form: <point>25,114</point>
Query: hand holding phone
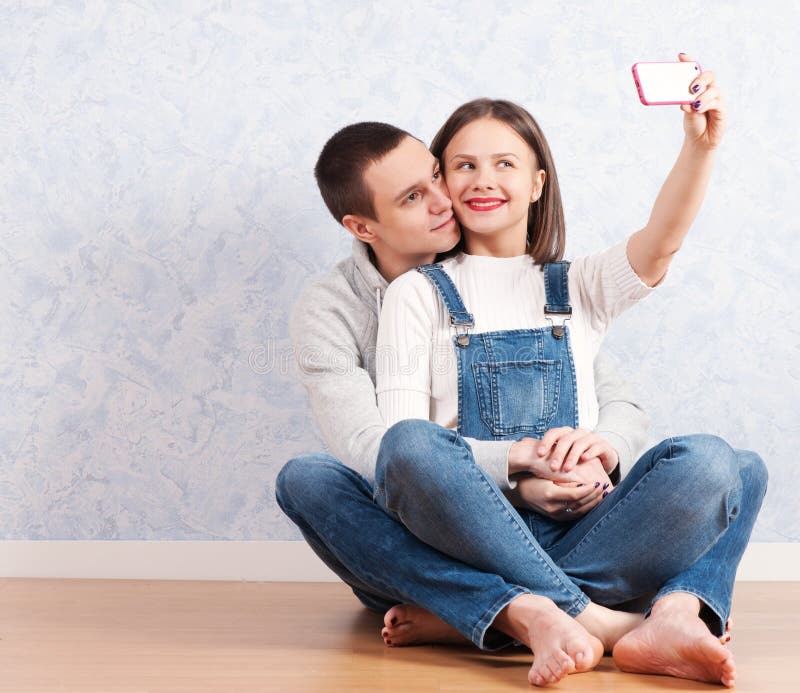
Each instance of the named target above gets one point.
<point>661,84</point>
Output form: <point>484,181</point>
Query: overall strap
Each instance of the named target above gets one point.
<point>459,317</point>
<point>556,291</point>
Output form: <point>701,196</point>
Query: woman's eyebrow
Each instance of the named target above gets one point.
<point>493,156</point>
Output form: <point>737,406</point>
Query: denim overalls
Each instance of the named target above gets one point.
<point>513,383</point>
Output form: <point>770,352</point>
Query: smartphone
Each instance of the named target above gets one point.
<point>661,84</point>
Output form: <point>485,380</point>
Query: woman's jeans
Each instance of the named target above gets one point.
<point>436,531</point>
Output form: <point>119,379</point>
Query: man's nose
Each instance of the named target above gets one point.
<point>441,200</point>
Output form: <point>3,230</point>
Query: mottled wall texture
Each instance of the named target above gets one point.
<point>159,216</point>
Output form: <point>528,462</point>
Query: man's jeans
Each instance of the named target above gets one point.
<point>438,532</point>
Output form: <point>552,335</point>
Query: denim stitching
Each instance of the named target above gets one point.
<point>534,545</point>
<point>489,616</point>
<point>626,500</point>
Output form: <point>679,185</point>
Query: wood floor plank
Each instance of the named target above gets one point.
<point>132,636</point>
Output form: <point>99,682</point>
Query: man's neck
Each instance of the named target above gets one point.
<point>392,265</point>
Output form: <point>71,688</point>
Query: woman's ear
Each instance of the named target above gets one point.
<point>359,227</point>
<point>538,184</point>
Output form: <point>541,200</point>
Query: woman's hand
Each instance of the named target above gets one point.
<point>564,500</point>
<point>566,448</point>
<point>704,120</point>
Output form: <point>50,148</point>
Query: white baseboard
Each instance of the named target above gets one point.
<point>291,561</point>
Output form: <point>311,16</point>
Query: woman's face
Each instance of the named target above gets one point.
<point>493,177</point>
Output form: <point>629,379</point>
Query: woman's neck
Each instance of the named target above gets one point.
<point>505,243</point>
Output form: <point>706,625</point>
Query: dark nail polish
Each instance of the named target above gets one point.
<point>393,621</point>
<point>596,484</point>
<point>605,486</point>
<point>579,485</point>
<point>696,104</point>
<point>696,88</point>
<point>605,493</point>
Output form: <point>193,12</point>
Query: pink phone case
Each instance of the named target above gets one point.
<point>637,80</point>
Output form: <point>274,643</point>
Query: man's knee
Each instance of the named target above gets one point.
<point>305,479</point>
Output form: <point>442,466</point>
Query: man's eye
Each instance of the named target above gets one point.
<point>437,175</point>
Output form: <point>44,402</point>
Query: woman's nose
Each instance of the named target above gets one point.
<point>483,179</point>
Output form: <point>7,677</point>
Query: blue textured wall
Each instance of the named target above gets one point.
<point>159,216</point>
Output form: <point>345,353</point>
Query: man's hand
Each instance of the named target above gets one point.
<point>566,447</point>
<point>524,457</point>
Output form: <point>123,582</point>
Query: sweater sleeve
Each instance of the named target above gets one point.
<point>608,285</point>
<point>340,389</point>
<point>622,422</point>
<point>406,337</point>
<point>404,350</point>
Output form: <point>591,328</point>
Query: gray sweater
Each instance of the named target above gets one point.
<point>334,327</point>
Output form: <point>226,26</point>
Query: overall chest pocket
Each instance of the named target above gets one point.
<point>517,396</point>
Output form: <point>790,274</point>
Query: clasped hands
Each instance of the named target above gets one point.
<point>564,475</point>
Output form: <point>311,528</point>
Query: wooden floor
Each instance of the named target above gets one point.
<point>144,636</point>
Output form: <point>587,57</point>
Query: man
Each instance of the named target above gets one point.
<point>385,188</point>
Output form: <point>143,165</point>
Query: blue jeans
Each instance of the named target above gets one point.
<point>679,521</point>
<point>379,558</point>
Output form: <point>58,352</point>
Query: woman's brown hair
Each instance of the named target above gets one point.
<point>546,235</point>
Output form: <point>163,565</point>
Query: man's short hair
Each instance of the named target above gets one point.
<point>344,159</point>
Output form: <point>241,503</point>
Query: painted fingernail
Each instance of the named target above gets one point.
<point>606,485</point>
<point>696,104</point>
<point>696,88</point>
<point>605,493</point>
<point>596,484</point>
<point>579,485</point>
<point>393,621</point>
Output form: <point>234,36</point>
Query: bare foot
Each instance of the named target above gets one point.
<point>676,643</point>
<point>407,624</point>
<point>608,625</point>
<point>559,643</point>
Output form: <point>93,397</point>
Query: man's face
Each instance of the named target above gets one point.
<point>412,204</point>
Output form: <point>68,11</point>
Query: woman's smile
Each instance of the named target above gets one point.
<point>484,204</point>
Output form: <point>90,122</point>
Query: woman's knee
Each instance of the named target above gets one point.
<point>753,472</point>
<point>706,462</point>
<point>413,448</point>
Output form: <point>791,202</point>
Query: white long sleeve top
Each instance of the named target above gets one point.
<point>416,365</point>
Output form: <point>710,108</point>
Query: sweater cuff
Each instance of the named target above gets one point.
<point>625,277</point>
<point>623,451</point>
<point>492,457</point>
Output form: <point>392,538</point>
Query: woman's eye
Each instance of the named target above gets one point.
<point>413,196</point>
<point>437,175</point>
<point>465,164</point>
<point>505,163</point>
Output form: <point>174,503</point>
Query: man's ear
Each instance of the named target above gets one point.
<point>360,227</point>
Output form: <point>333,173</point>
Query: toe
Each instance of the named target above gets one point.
<point>537,675</point>
<point>395,615</point>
